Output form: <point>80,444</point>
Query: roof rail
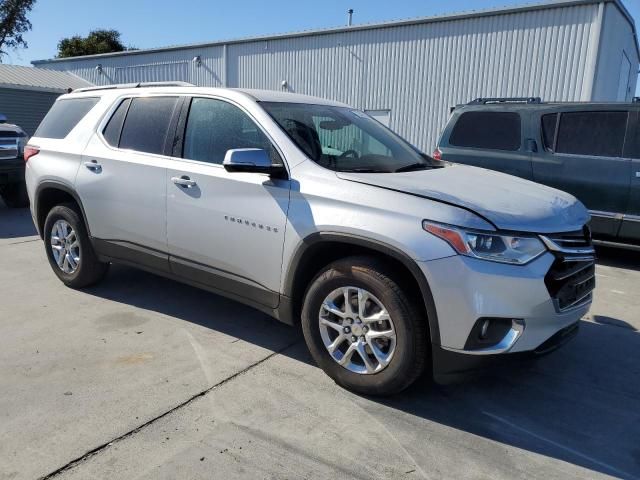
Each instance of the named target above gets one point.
<point>484,101</point>
<point>135,85</point>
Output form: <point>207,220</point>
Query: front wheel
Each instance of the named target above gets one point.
<point>362,329</point>
<point>69,249</point>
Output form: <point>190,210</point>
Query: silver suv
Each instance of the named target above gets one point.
<point>312,212</point>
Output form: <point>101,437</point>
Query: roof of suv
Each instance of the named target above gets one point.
<point>507,104</point>
<point>255,94</point>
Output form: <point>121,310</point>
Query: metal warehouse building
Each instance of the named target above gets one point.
<point>26,94</point>
<point>409,73</point>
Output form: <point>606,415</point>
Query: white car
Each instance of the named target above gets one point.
<point>311,211</point>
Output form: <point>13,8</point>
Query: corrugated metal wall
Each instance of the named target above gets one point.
<point>26,108</point>
<point>417,71</point>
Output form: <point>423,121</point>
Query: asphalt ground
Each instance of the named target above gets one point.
<point>142,377</point>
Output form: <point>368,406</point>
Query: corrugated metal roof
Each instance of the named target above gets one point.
<point>367,26</point>
<point>15,76</point>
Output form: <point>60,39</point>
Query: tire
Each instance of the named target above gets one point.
<point>89,270</point>
<point>410,355</point>
<point>15,195</point>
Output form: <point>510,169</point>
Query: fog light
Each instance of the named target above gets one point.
<point>484,328</point>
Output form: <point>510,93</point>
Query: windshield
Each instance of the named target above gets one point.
<point>346,140</point>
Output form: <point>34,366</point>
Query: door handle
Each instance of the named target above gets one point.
<point>184,181</point>
<point>532,145</point>
<point>93,165</point>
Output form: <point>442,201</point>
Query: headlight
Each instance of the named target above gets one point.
<point>492,246</point>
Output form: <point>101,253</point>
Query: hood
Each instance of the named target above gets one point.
<point>508,202</point>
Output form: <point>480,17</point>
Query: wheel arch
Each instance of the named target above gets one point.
<point>319,249</point>
<point>49,194</point>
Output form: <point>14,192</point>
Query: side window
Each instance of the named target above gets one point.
<point>632,148</point>
<point>598,134</point>
<point>111,132</point>
<point>215,126</point>
<point>145,128</point>
<point>549,123</point>
<point>487,130</point>
<point>64,116</point>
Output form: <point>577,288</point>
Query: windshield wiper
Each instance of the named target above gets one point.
<point>363,170</point>
<point>413,166</point>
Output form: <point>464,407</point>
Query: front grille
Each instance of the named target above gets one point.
<point>8,149</point>
<point>571,278</point>
<point>10,134</point>
<point>572,240</point>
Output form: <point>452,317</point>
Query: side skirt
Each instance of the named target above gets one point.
<point>193,274</point>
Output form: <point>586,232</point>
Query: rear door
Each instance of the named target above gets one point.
<point>630,229</point>
<point>583,154</point>
<point>491,138</point>
<point>122,180</point>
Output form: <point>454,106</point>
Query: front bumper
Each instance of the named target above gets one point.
<point>468,289</point>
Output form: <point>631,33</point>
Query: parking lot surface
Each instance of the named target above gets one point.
<point>142,377</point>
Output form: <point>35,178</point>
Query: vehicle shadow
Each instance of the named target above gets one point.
<point>15,222</point>
<point>577,405</point>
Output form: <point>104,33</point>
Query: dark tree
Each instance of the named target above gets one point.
<point>14,23</point>
<point>98,41</point>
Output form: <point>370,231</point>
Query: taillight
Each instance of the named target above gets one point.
<point>437,154</point>
<point>30,151</point>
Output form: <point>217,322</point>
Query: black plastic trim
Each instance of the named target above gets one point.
<point>408,262</point>
<point>187,271</point>
<point>52,184</point>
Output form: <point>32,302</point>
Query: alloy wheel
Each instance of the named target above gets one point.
<point>357,330</point>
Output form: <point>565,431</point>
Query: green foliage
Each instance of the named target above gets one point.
<point>98,41</point>
<point>14,23</point>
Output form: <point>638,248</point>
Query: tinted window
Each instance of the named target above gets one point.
<point>633,143</point>
<point>599,134</point>
<point>63,116</point>
<point>145,128</point>
<point>112,131</point>
<point>214,126</point>
<point>490,130</point>
<point>549,123</point>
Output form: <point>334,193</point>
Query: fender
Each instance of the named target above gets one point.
<point>381,247</point>
<point>56,185</point>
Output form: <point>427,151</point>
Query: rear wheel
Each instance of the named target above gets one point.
<point>15,195</point>
<point>69,249</point>
<point>362,329</point>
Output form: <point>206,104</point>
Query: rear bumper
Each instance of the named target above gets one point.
<point>11,171</point>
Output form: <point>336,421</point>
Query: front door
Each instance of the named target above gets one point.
<point>583,154</point>
<point>225,230</point>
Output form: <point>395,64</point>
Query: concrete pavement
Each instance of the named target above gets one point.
<point>142,377</point>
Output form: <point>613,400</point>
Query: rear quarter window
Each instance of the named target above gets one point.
<point>487,130</point>
<point>598,134</point>
<point>64,115</point>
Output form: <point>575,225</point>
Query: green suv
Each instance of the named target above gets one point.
<point>591,150</point>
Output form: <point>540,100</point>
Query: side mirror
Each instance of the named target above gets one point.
<point>253,160</point>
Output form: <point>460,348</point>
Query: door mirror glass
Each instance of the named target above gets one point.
<point>254,160</point>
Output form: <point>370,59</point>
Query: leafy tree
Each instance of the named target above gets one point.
<point>14,23</point>
<point>98,41</point>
